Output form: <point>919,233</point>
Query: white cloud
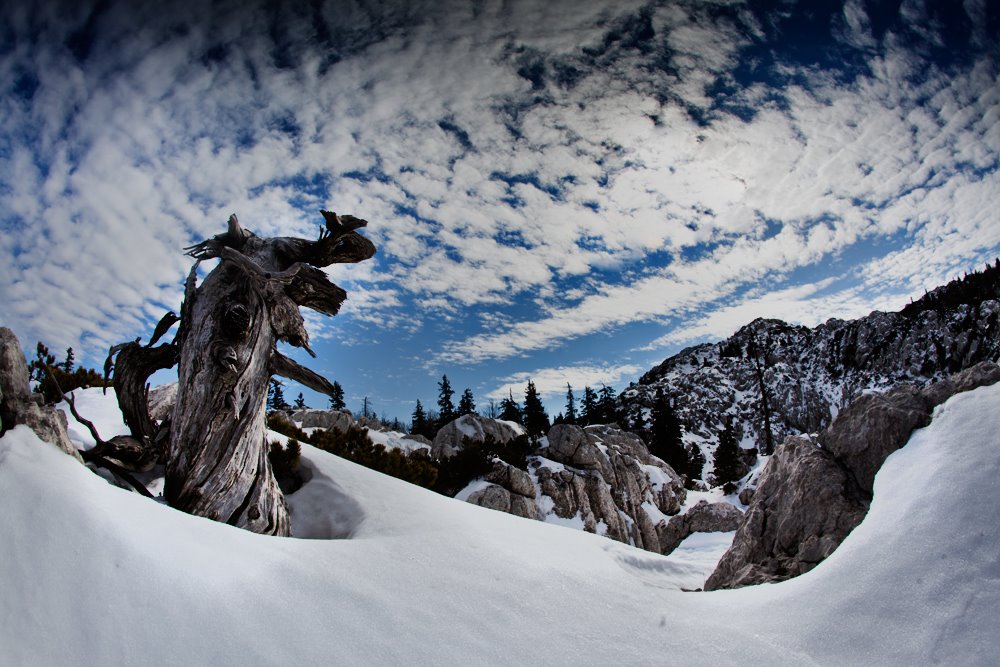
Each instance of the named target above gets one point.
<point>551,382</point>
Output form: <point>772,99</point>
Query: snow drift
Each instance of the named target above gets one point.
<point>91,574</point>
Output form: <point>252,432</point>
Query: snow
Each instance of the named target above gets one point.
<point>91,574</point>
<point>101,409</point>
<point>396,440</point>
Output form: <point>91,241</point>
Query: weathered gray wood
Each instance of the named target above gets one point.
<point>217,463</point>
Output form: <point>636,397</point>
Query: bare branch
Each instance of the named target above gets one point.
<point>285,367</point>
<point>251,268</point>
<point>312,289</point>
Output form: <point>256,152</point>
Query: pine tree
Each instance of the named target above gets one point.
<point>696,463</point>
<point>726,460</point>
<point>276,397</point>
<point>420,425</point>
<point>510,411</point>
<point>536,421</point>
<point>446,409</point>
<point>570,416</point>
<point>466,405</point>
<point>68,364</point>
<point>588,408</point>
<point>666,435</point>
<point>337,398</point>
<point>300,402</point>
<point>606,406</point>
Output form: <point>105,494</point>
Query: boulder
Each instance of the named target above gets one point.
<point>704,517</point>
<point>569,444</point>
<point>814,492</point>
<point>161,400</point>
<point>450,439</point>
<point>513,479</point>
<point>19,406</point>
<point>608,479</point>
<point>332,420</point>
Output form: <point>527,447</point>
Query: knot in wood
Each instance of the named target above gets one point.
<point>235,321</point>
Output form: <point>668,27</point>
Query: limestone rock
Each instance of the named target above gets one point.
<point>161,401</point>
<point>513,479</point>
<point>18,406</point>
<point>449,440</point>
<point>569,444</point>
<point>813,493</point>
<point>608,479</point>
<point>332,420</point>
<point>496,497</point>
<point>704,517</point>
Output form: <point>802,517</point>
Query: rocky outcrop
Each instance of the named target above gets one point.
<point>607,478</point>
<point>161,401</point>
<point>704,517</point>
<point>333,420</point>
<point>450,439</point>
<point>815,491</point>
<point>809,375</point>
<point>19,406</point>
<point>510,490</point>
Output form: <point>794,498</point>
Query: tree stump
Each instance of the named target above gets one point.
<point>216,452</point>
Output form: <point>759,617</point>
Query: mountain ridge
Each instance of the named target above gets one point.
<point>775,379</point>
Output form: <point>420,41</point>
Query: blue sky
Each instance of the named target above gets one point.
<point>566,191</point>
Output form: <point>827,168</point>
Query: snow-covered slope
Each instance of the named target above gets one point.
<point>91,574</point>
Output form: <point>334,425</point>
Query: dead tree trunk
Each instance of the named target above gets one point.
<point>216,456</point>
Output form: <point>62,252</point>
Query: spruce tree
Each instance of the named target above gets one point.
<point>276,397</point>
<point>420,425</point>
<point>588,408</point>
<point>68,364</point>
<point>666,435</point>
<point>466,404</point>
<point>446,408</point>
<point>536,421</point>
<point>606,407</point>
<point>300,402</point>
<point>728,468</point>
<point>696,463</point>
<point>337,397</point>
<point>570,416</point>
<point>510,411</point>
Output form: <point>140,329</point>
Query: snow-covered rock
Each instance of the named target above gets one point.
<point>814,492</point>
<point>449,440</point>
<point>161,400</point>
<point>607,479</point>
<point>809,375</point>
<point>704,517</point>
<point>334,420</point>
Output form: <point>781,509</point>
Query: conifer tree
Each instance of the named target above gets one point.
<point>606,407</point>
<point>420,425</point>
<point>588,408</point>
<point>727,458</point>
<point>696,463</point>
<point>300,402</point>
<point>510,410</point>
<point>466,404</point>
<point>276,397</point>
<point>536,421</point>
<point>665,435</point>
<point>570,415</point>
<point>446,408</point>
<point>337,398</point>
<point>67,365</point>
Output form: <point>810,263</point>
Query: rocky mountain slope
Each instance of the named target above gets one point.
<point>776,379</point>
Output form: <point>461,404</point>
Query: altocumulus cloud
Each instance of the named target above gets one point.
<point>535,172</point>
